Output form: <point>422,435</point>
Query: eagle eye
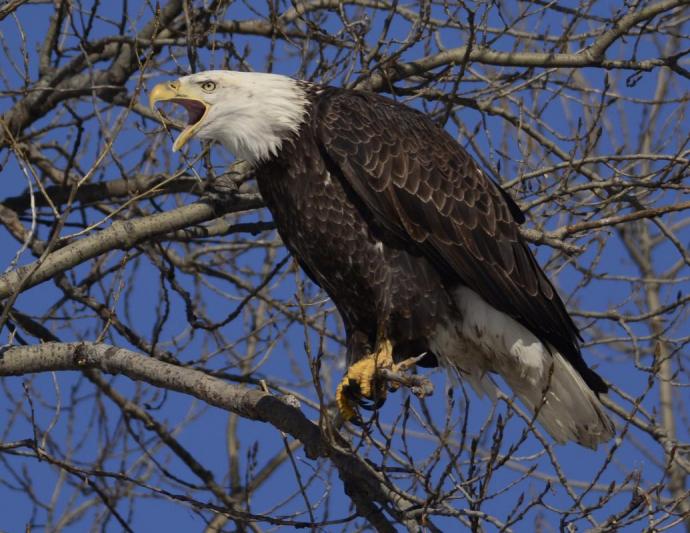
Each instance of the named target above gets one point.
<point>208,86</point>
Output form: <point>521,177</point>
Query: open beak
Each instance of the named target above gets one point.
<point>196,108</point>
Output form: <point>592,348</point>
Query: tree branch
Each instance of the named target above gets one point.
<point>252,404</point>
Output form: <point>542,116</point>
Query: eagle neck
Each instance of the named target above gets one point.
<point>260,134</point>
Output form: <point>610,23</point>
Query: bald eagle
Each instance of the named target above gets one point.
<point>419,250</point>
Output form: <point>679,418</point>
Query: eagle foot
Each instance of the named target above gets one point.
<point>367,381</point>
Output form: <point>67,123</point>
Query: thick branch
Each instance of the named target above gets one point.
<point>122,234</point>
<point>253,404</point>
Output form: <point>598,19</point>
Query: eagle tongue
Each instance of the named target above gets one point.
<point>195,109</point>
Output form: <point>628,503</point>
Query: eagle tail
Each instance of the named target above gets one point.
<point>567,408</point>
<point>483,340</point>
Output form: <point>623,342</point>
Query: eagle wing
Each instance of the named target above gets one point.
<point>421,186</point>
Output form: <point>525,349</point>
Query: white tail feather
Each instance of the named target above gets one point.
<point>569,409</point>
<point>486,340</point>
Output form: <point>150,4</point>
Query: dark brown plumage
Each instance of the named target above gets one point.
<point>397,177</point>
<point>419,250</point>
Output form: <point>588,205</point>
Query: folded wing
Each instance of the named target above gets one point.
<point>420,185</point>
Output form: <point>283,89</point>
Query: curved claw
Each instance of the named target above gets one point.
<point>370,404</point>
<point>362,385</point>
<point>369,380</point>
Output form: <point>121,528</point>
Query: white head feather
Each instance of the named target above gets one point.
<point>250,113</point>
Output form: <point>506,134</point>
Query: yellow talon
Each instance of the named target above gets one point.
<point>362,375</point>
<point>343,403</point>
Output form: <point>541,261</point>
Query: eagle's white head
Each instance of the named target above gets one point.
<point>250,113</point>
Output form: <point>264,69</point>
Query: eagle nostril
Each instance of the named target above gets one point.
<point>174,85</point>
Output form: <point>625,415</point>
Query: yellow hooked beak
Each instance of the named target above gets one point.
<point>184,96</point>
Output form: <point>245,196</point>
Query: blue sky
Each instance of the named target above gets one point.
<point>205,434</point>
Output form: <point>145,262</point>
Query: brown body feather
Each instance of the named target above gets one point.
<point>387,213</point>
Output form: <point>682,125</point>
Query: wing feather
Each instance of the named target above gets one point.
<point>419,184</point>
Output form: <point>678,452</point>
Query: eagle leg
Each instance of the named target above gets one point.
<point>366,381</point>
<point>363,380</point>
